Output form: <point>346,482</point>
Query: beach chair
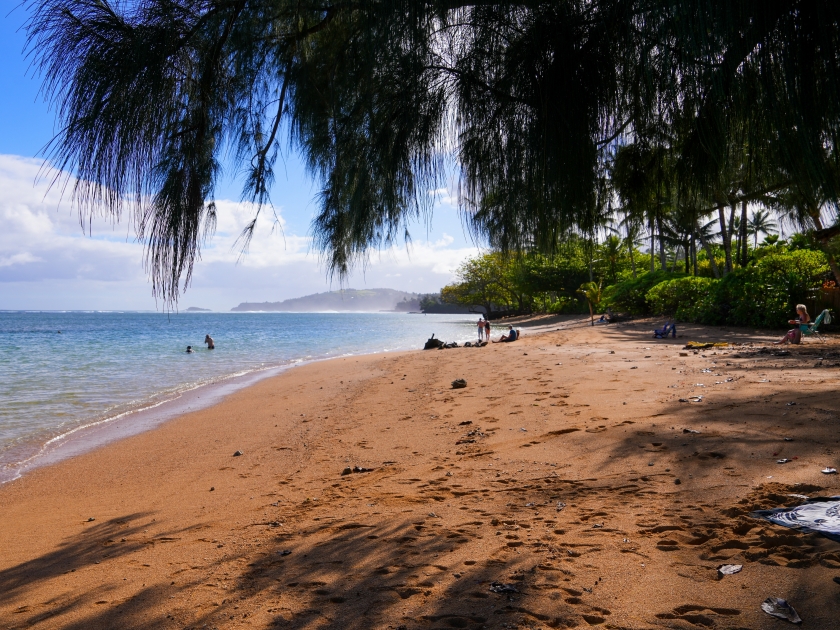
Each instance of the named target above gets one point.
<point>813,329</point>
<point>668,328</point>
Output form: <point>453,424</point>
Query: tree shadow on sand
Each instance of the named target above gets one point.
<point>354,575</point>
<point>546,535</point>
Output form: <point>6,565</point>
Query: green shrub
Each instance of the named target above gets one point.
<point>766,294</point>
<point>704,267</point>
<point>628,295</point>
<point>763,295</point>
<point>565,304</point>
<point>688,299</point>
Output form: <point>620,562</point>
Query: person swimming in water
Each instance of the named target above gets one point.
<point>189,349</point>
<point>209,341</point>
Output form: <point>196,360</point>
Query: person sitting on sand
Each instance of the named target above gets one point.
<point>606,317</point>
<point>511,336</point>
<point>189,349</point>
<point>209,341</point>
<point>801,322</point>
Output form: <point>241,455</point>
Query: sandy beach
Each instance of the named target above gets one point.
<point>568,471</point>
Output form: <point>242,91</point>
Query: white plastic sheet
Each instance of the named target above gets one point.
<point>818,515</point>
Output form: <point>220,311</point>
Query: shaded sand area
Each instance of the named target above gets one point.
<point>564,470</point>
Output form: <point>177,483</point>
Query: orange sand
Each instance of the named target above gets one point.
<point>464,492</point>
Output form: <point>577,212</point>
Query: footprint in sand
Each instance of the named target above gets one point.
<point>560,432</point>
<point>456,621</point>
<point>698,615</point>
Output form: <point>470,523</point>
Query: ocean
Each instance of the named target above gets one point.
<point>70,381</point>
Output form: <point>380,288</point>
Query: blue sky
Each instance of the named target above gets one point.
<point>47,262</point>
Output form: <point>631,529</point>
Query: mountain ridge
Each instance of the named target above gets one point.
<point>343,300</point>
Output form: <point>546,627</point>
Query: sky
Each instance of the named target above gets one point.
<point>50,261</point>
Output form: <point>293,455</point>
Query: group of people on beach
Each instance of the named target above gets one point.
<point>484,332</point>
<point>208,340</point>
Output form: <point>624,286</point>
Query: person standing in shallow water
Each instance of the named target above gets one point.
<point>480,329</point>
<point>487,329</point>
<point>209,341</point>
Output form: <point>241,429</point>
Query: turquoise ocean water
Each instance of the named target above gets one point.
<point>102,368</point>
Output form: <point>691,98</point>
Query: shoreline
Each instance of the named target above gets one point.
<point>554,472</point>
<point>109,429</point>
<point>49,446</point>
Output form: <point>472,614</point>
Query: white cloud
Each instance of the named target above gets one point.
<point>270,245</point>
<point>49,260</point>
<point>445,197</point>
<point>18,259</point>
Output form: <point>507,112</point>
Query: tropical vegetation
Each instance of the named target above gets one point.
<point>672,117</point>
<point>778,275</point>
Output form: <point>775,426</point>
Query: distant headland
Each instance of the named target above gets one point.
<point>346,300</point>
<point>195,309</point>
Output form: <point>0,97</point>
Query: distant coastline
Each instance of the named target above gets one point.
<point>357,301</point>
<point>343,301</point>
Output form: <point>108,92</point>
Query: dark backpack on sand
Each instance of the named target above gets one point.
<point>432,343</point>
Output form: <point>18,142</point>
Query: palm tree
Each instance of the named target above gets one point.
<point>592,292</point>
<point>705,234</point>
<point>632,240</point>
<point>761,222</point>
<point>610,250</point>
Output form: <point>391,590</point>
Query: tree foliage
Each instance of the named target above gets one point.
<point>485,281</point>
<point>728,100</point>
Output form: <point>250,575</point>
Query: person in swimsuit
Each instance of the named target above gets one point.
<point>209,341</point>
<point>801,322</point>
<point>487,329</point>
<point>189,349</point>
<point>481,329</point>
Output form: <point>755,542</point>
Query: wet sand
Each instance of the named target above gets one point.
<point>566,470</point>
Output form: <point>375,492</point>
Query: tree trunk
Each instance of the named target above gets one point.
<point>663,263</point>
<point>652,247</point>
<point>694,254</point>
<point>632,259</point>
<point>743,234</point>
<point>729,240</point>
<point>727,244</point>
<point>591,314</point>
<point>711,256</point>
